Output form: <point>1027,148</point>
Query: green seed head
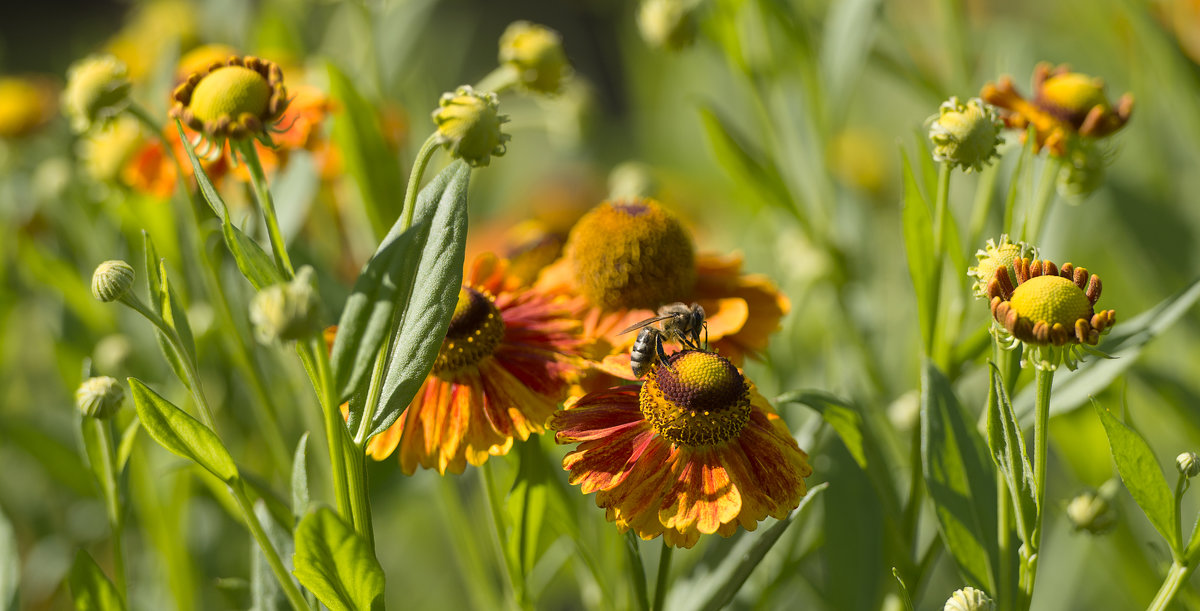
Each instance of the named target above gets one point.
<point>536,53</point>
<point>97,91</point>
<point>468,125</point>
<point>966,135</point>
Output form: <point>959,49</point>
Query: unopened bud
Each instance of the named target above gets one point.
<point>1188,464</point>
<point>99,397</point>
<point>112,280</point>
<point>969,599</point>
<point>1091,511</point>
<point>285,312</point>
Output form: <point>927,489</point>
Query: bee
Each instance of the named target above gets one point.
<point>678,322</point>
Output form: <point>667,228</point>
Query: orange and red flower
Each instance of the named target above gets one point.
<point>508,358</point>
<point>692,450</point>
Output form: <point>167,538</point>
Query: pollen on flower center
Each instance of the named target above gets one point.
<point>1070,96</point>
<point>631,254</point>
<point>700,399</point>
<point>229,92</point>
<point>475,330</point>
<point>1052,299</point>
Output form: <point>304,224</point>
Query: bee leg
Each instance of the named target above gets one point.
<point>662,354</point>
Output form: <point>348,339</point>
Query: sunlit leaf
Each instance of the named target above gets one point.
<point>180,433</point>
<point>90,588</point>
<point>336,564</point>
<point>918,244</point>
<point>1009,454</point>
<point>300,477</point>
<point>10,564</point>
<point>836,412</point>
<point>735,153</point>
<point>1141,473</point>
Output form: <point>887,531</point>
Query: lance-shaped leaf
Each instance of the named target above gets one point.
<point>300,477</point>
<point>336,564</point>
<point>10,564</point>
<point>838,414</point>
<point>1141,474</point>
<point>367,316</point>
<point>433,295</point>
<point>961,483</point>
<point>180,433</point>
<point>155,291</point>
<point>1009,453</point>
<point>918,245</point>
<point>90,588</point>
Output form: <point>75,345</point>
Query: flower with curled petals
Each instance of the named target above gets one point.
<point>692,450</point>
<point>504,366</point>
<point>626,258</point>
<point>239,98</point>
<point>1051,310</point>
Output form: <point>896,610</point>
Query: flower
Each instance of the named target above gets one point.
<point>107,150</point>
<point>1188,464</point>
<point>468,125</point>
<point>535,53</point>
<point>200,58</point>
<point>1092,511</point>
<point>969,599</point>
<point>1050,310</point>
<point>239,98</point>
<point>1066,105</point>
<point>506,362</point>
<point>692,450</point>
<point>25,105</point>
<point>112,280</point>
<point>626,258</point>
<point>287,311</point>
<point>667,24</point>
<point>99,397</point>
<point>994,256</point>
<point>97,91</point>
<point>965,135</point>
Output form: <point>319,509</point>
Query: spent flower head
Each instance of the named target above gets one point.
<point>469,125</point>
<point>235,99</point>
<point>667,24</point>
<point>969,599</point>
<point>97,91</point>
<point>993,256</point>
<point>99,397</point>
<point>965,135</point>
<point>112,280</point>
<point>287,311</point>
<point>1050,310</point>
<point>536,53</point>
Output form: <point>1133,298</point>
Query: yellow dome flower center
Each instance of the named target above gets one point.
<point>200,58</point>
<point>475,330</point>
<point>701,399</point>
<point>1071,96</point>
<point>631,254</point>
<point>230,91</point>
<point>1051,299</point>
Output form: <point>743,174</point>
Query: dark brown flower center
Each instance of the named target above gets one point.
<point>475,330</point>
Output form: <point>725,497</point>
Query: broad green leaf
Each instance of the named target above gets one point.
<point>10,564</point>
<point>368,160</point>
<point>336,565</point>
<point>527,506</point>
<point>733,151</point>
<point>434,293</point>
<point>918,244</point>
<point>960,480</point>
<point>748,553</point>
<point>300,477</point>
<point>1009,454</point>
<point>180,433</point>
<point>367,316</point>
<point>836,412</point>
<point>1141,473</point>
<point>1124,343</point>
<point>90,588</point>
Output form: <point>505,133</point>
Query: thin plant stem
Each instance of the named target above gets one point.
<point>316,361</point>
<point>499,80</point>
<point>487,480</point>
<point>285,580</point>
<point>1004,544</point>
<point>414,179</point>
<point>1041,202</point>
<point>637,571</point>
<point>941,203</point>
<point>1177,545</point>
<point>1044,380</point>
<point>112,504</point>
<point>258,180</point>
<point>664,573</point>
<point>1176,577</point>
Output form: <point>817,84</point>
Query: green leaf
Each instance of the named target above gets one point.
<point>1141,473</point>
<point>279,509</point>
<point>367,158</point>
<point>128,438</point>
<point>90,588</point>
<point>733,151</point>
<point>367,316</point>
<point>1124,343</point>
<point>10,564</point>
<point>918,243</point>
<point>434,293</point>
<point>300,478</point>
<point>526,504</point>
<point>335,564</point>
<point>847,42</point>
<point>155,291</point>
<point>174,314</point>
<point>1009,453</point>
<point>180,433</point>
<point>265,593</point>
<point>960,480</point>
<point>836,412</point>
<point>95,445</point>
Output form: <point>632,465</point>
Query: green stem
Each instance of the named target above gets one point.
<point>112,504</point>
<point>1181,486</point>
<point>1041,202</point>
<point>1004,544</point>
<point>1176,577</point>
<point>660,583</point>
<point>503,78</point>
<point>285,580</point>
<point>1010,202</point>
<point>414,179</point>
<point>316,356</point>
<point>637,571</point>
<point>258,179</point>
<point>939,212</point>
<point>497,528</point>
<point>1044,380</point>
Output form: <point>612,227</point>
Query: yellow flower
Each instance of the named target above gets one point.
<point>242,97</point>
<point>1050,310</point>
<point>25,105</point>
<point>106,151</point>
<point>468,125</point>
<point>97,91</point>
<point>994,256</point>
<point>536,53</point>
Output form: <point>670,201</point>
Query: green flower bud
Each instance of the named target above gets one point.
<point>969,599</point>
<point>97,91</point>
<point>667,24</point>
<point>536,53</point>
<point>1188,464</point>
<point>468,125</point>
<point>631,180</point>
<point>112,280</point>
<point>1091,511</point>
<point>99,397</point>
<point>965,135</point>
<point>285,312</point>
<point>1084,169</point>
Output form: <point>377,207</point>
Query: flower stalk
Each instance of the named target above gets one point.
<point>258,180</point>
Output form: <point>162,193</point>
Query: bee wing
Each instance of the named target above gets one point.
<point>644,323</point>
